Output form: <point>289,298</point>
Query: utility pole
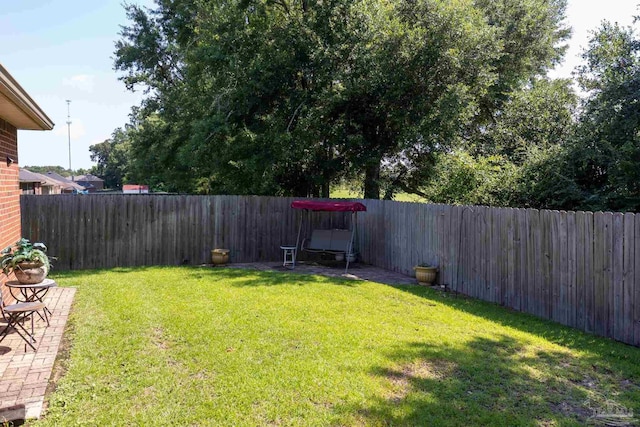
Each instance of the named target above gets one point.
<point>69,134</point>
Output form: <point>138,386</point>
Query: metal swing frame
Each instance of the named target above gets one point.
<point>311,206</point>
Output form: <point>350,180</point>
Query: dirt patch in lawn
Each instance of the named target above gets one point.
<point>401,380</point>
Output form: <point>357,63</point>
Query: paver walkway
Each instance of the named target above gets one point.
<point>24,375</point>
<point>356,272</point>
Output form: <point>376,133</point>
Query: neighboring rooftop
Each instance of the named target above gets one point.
<point>87,178</point>
<point>28,176</point>
<point>65,183</point>
<point>135,188</point>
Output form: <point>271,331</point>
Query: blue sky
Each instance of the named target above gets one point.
<point>63,49</point>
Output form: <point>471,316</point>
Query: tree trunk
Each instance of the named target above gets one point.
<point>372,180</point>
<point>315,192</point>
<point>326,171</point>
<point>325,190</point>
<point>389,192</point>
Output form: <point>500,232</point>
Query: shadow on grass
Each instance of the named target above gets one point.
<point>487,377</point>
<point>239,277</point>
<point>236,276</point>
<point>485,382</point>
<point>554,332</point>
<point>500,380</point>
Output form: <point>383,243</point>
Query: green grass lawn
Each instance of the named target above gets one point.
<point>202,346</point>
<point>347,192</point>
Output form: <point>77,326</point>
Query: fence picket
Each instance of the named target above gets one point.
<point>598,273</point>
<point>636,285</point>
<point>590,271</point>
<point>563,269</point>
<point>628,277</point>
<point>572,270</point>
<point>617,276</point>
<point>608,274</point>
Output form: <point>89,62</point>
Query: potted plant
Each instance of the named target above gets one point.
<point>28,261</point>
<point>426,274</point>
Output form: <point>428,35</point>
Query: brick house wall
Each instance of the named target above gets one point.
<point>9,191</point>
<point>17,111</point>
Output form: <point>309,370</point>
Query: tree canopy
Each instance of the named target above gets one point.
<point>60,170</point>
<point>605,156</point>
<point>112,157</point>
<point>598,166</point>
<point>285,97</point>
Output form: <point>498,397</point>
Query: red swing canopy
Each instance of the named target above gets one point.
<point>329,206</point>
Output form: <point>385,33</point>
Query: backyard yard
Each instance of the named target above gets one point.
<point>202,346</point>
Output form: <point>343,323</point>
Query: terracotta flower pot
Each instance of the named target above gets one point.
<point>30,272</point>
<point>426,275</point>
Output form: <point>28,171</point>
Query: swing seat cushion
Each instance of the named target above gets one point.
<point>333,241</point>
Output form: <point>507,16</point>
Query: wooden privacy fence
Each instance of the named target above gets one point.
<point>104,231</point>
<point>581,269</point>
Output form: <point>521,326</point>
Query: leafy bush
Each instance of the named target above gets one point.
<point>460,178</point>
<point>546,181</point>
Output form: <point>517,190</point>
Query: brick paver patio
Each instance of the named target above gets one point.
<point>356,271</point>
<point>24,374</point>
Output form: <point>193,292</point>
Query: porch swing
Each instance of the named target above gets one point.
<point>333,241</point>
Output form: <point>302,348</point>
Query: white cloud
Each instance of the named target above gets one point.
<point>77,129</point>
<point>99,140</point>
<point>83,82</point>
<point>585,16</point>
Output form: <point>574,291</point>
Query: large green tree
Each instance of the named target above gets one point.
<point>599,166</point>
<point>540,115</point>
<point>605,156</point>
<point>112,157</point>
<point>511,163</point>
<point>286,96</point>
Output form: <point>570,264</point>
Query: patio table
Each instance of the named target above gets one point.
<point>31,292</point>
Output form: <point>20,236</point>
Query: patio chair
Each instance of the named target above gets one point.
<point>15,315</point>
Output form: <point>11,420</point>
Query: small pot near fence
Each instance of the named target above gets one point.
<point>426,275</point>
<point>220,256</point>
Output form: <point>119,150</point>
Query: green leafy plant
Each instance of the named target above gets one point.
<point>24,251</point>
